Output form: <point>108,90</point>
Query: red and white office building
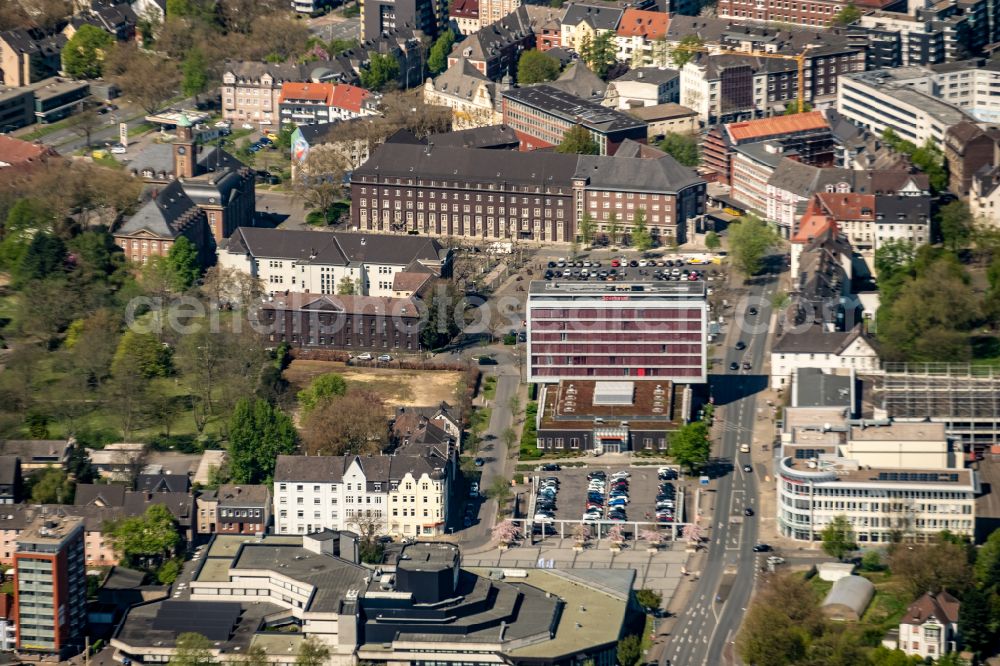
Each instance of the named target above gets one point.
<point>617,330</point>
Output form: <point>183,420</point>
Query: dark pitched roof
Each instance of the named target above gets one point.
<point>181,505</point>
<point>486,166</point>
<point>380,306</point>
<point>165,216</point>
<point>652,75</point>
<point>578,79</point>
<point>240,495</point>
<point>159,483</point>
<point>8,470</point>
<point>331,469</point>
<point>599,17</point>
<point>492,136</point>
<point>338,248</point>
<point>804,179</point>
<point>100,494</point>
<point>35,450</point>
<point>663,174</point>
<point>463,80</point>
<point>902,209</point>
<point>942,606</point>
<point>489,41</point>
<point>816,340</point>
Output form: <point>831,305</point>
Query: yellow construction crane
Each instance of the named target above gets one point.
<point>800,60</point>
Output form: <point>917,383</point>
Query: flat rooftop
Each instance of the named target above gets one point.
<point>848,472</point>
<point>651,404</point>
<point>898,83</point>
<point>141,627</point>
<point>49,529</point>
<point>424,556</point>
<point>573,109</point>
<point>899,431</point>
<point>685,290</point>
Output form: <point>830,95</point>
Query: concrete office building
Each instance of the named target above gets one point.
<point>891,480</point>
<point>50,587</point>
<point>617,330</point>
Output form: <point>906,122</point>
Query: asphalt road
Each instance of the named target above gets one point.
<point>708,626</point>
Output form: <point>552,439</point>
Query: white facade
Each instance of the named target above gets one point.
<point>702,94</point>
<point>413,505</point>
<point>909,100</point>
<point>984,201</point>
<point>624,95</point>
<point>932,638</point>
<point>823,473</point>
<point>858,355</point>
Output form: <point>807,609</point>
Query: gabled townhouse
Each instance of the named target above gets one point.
<point>119,20</point>
<point>581,24</point>
<point>929,629</point>
<point>463,17</point>
<point>28,56</point>
<point>644,86</point>
<point>495,49</point>
<point>465,89</point>
<point>546,22</point>
<point>870,220</point>
<point>242,509</point>
<point>402,495</point>
<point>320,263</point>
<point>967,149</point>
<point>641,38</point>
<point>251,91</point>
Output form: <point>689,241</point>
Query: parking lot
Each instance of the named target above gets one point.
<point>571,499</point>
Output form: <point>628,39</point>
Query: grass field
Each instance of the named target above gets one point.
<point>398,388</point>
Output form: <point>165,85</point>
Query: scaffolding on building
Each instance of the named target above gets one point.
<point>963,396</point>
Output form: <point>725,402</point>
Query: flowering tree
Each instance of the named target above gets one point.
<point>581,533</point>
<point>616,535</point>
<point>506,532</point>
<point>692,533</point>
<point>652,536</point>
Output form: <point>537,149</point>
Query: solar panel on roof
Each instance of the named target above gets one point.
<point>214,620</point>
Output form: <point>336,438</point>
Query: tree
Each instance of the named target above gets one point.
<point>848,15</point>
<point>629,650</point>
<point>143,353</point>
<point>871,561</point>
<point>613,227</point>
<point>437,61</point>
<point>686,49</point>
<point>321,388</point>
<point>712,241</point>
<point>258,434</point>
<point>192,649</point>
<point>682,147</point>
<point>649,599</point>
<point>312,652</point>
<point>147,79</point>
<point>641,238</point>
<point>53,486</point>
<point>127,395</point>
<point>355,422</point>
<point>83,55</point>
<point>255,655</point>
<point>974,616</point>
<point>319,180</point>
<point>750,239</point>
<point>894,256</point>
<point>578,141</point>
<point>44,256</point>
<point>838,537</point>
<point>146,540</point>
<point>599,53</point>
<point>194,72</point>
<point>587,228</point>
<point>536,66</point>
<point>690,446</point>
<point>779,623</point>
<point>439,319</point>
<point>182,260</point>
<point>792,107</point>
<point>347,287</point>
<point>381,74</point>
<point>84,123</point>
<point>506,532</point>
<point>931,567</point>
<point>955,221</point>
<point>500,491</point>
<point>987,567</point>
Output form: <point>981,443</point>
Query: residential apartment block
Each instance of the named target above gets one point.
<point>582,23</point>
<point>29,55</point>
<point>472,97</point>
<point>312,103</point>
<point>891,480</point>
<point>496,48</point>
<point>402,495</point>
<point>622,330</point>
<point>641,37</point>
<point>541,116</point>
<point>251,91</point>
<point>529,196</point>
<point>50,589</point>
<point>317,262</point>
<point>819,14</point>
<point>967,149</point>
<point>381,17</point>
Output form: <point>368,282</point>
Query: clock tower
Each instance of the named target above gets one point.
<point>184,155</point>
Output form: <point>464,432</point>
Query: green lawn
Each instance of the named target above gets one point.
<point>490,387</point>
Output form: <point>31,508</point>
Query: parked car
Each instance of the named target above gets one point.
<point>479,462</point>
<point>118,149</point>
<point>762,548</point>
<point>740,346</point>
<point>748,511</point>
<point>365,356</point>
<point>550,467</point>
<point>384,358</point>
<point>474,489</point>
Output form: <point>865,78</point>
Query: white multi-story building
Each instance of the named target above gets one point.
<point>920,103</point>
<point>403,495</point>
<point>329,263</point>
<point>891,480</point>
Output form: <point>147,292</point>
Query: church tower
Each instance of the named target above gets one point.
<point>184,149</point>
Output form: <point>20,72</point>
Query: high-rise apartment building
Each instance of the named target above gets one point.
<point>50,586</point>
